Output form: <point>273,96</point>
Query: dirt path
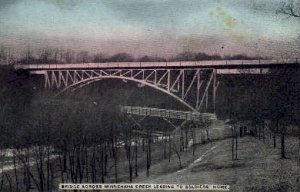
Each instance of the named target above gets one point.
<point>181,176</point>
<point>258,167</point>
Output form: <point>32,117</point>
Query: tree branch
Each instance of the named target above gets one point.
<point>288,9</point>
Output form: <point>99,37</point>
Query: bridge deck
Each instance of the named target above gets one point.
<point>167,113</point>
<point>218,64</point>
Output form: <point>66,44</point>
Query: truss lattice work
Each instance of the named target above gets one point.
<point>195,88</point>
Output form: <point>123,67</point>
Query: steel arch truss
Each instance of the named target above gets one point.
<point>195,88</point>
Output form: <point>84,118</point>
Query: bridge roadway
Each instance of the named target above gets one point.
<point>216,64</point>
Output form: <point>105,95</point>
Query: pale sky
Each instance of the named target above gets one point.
<point>152,27</point>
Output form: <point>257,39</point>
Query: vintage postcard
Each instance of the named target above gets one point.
<point>150,95</point>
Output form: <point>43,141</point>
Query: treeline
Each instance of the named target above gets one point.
<point>55,55</point>
<point>268,105</point>
<point>61,56</point>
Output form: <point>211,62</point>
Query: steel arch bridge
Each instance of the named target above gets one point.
<point>194,88</point>
<point>194,84</point>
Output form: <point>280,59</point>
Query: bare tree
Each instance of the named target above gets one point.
<point>46,55</point>
<point>6,56</point>
<point>291,8</point>
<point>99,58</point>
<point>121,57</point>
<point>83,57</point>
<point>69,56</point>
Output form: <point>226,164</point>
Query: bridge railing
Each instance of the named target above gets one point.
<point>154,64</point>
<point>167,113</point>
